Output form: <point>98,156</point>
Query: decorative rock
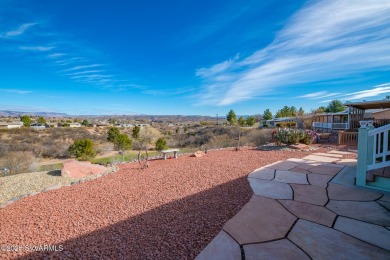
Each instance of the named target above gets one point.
<point>280,249</point>
<point>319,180</point>
<point>198,154</point>
<point>325,243</point>
<point>271,189</point>
<point>310,194</point>
<point>53,187</point>
<point>256,221</point>
<point>221,247</point>
<point>310,212</point>
<point>373,234</point>
<point>263,173</point>
<point>341,192</point>
<point>366,211</point>
<point>290,177</point>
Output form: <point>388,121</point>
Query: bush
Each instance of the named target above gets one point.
<point>292,136</point>
<point>161,144</point>
<point>123,142</point>
<point>83,149</point>
<point>19,162</point>
<point>112,134</point>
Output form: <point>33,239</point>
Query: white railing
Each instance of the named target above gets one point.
<point>322,125</point>
<point>340,126</point>
<point>380,147</point>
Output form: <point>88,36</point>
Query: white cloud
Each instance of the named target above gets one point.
<point>83,67</point>
<point>15,91</point>
<point>319,95</point>
<point>56,55</point>
<point>324,41</point>
<point>36,48</point>
<point>376,91</point>
<point>19,31</point>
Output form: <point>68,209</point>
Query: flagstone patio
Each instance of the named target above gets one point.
<point>306,209</point>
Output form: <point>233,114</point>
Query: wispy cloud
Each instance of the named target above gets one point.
<point>324,41</point>
<point>319,95</point>
<point>18,31</point>
<point>83,67</point>
<point>36,48</point>
<point>376,91</point>
<point>15,91</point>
<point>56,55</point>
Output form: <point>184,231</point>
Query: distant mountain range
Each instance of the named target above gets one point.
<point>44,114</point>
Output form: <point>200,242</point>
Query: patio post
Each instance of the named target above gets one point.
<point>364,152</point>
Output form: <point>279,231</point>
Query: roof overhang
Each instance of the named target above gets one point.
<point>378,104</point>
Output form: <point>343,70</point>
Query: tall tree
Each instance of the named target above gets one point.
<point>231,117</point>
<point>241,121</point>
<point>123,142</point>
<point>112,134</point>
<point>267,115</point>
<point>335,106</point>
<point>136,130</point>
<point>41,120</point>
<point>300,112</point>
<point>26,120</point>
<point>250,121</point>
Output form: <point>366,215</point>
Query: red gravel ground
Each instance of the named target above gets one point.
<point>171,210</point>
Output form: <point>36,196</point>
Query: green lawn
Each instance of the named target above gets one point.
<point>51,167</point>
<point>128,156</point>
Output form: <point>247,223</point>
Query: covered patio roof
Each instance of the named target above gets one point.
<point>369,104</point>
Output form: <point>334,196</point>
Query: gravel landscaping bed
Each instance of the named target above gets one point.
<point>170,210</point>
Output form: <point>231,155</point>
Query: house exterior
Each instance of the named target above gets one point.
<point>73,125</point>
<point>124,125</point>
<point>327,122</point>
<point>37,126</point>
<point>273,122</point>
<point>10,125</point>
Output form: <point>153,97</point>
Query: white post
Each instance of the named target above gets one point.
<point>363,152</point>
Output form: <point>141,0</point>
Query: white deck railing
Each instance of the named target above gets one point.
<point>380,147</point>
<point>338,126</point>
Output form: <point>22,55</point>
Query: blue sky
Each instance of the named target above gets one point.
<point>191,57</point>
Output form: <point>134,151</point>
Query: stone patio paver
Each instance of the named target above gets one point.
<point>290,177</point>
<point>271,189</point>
<point>320,158</point>
<point>366,211</point>
<point>263,173</point>
<point>329,155</point>
<point>282,165</point>
<point>291,196</point>
<point>314,213</point>
<point>221,247</point>
<point>279,249</point>
<point>319,180</point>
<point>326,170</point>
<point>310,194</point>
<point>341,152</point>
<point>321,242</point>
<point>256,221</point>
<point>341,192</point>
<point>373,234</point>
<point>384,204</point>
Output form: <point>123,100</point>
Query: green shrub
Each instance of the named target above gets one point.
<point>161,144</point>
<point>83,149</point>
<point>292,136</point>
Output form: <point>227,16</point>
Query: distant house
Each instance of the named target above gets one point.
<point>273,122</point>
<point>74,125</point>
<point>124,125</point>
<point>10,125</point>
<point>51,125</point>
<point>37,126</point>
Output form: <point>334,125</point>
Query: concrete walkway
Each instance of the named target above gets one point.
<point>299,210</point>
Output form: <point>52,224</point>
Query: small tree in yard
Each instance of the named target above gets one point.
<point>112,134</point>
<point>161,144</point>
<point>241,121</point>
<point>250,121</point>
<point>85,122</point>
<point>26,120</point>
<point>231,117</point>
<point>123,142</point>
<point>83,149</point>
<point>41,120</point>
<point>136,131</point>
